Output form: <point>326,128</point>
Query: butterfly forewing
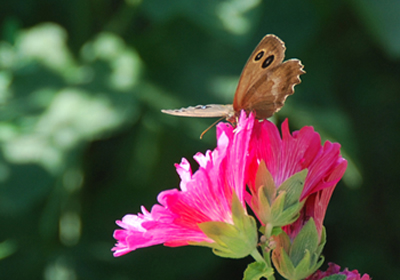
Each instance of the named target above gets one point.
<point>203,111</point>
<point>266,82</point>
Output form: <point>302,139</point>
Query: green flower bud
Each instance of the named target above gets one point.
<point>298,259</point>
<point>278,206</point>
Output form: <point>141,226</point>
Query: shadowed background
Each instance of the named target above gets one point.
<point>83,141</point>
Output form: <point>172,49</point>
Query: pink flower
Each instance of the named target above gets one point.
<point>284,156</point>
<point>205,196</point>
<point>334,269</point>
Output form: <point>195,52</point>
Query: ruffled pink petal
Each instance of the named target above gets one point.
<point>317,203</point>
<point>291,153</point>
<point>134,235</point>
<point>204,196</point>
<point>284,156</point>
<point>185,172</point>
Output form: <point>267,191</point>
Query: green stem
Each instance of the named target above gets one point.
<point>267,258</point>
<point>268,230</point>
<point>257,256</point>
<point>267,254</point>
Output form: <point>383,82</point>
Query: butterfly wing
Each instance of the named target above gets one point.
<point>266,82</point>
<point>263,87</point>
<point>203,111</point>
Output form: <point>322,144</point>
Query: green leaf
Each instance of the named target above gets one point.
<point>335,277</point>
<point>257,270</point>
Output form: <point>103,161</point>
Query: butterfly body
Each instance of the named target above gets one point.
<point>263,87</point>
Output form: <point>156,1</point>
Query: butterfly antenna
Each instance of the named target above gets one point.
<point>208,128</point>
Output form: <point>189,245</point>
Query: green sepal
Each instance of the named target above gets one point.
<point>322,241</point>
<point>231,241</point>
<point>264,206</point>
<point>303,265</point>
<point>298,259</point>
<point>283,240</point>
<point>239,216</point>
<point>276,231</point>
<point>264,178</point>
<point>285,265</point>
<point>306,239</point>
<point>266,192</point>
<point>294,186</point>
<point>286,207</point>
<point>306,249</point>
<point>278,207</point>
<point>257,270</point>
<point>283,215</point>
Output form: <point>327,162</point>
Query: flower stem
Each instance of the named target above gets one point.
<point>268,230</point>
<point>267,252</point>
<point>257,256</point>
<point>267,258</point>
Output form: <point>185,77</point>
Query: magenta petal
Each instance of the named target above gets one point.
<point>204,196</point>
<point>184,171</point>
<point>133,236</point>
<point>284,156</point>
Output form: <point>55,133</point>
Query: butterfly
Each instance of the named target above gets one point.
<point>265,83</point>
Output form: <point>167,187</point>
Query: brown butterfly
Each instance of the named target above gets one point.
<point>263,87</point>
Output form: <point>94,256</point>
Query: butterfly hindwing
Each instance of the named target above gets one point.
<point>268,95</point>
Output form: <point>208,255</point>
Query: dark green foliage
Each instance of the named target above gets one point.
<point>83,141</point>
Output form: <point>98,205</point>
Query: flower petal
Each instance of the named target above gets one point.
<point>205,196</point>
<point>285,156</point>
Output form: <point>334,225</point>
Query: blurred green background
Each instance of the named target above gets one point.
<point>83,141</point>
